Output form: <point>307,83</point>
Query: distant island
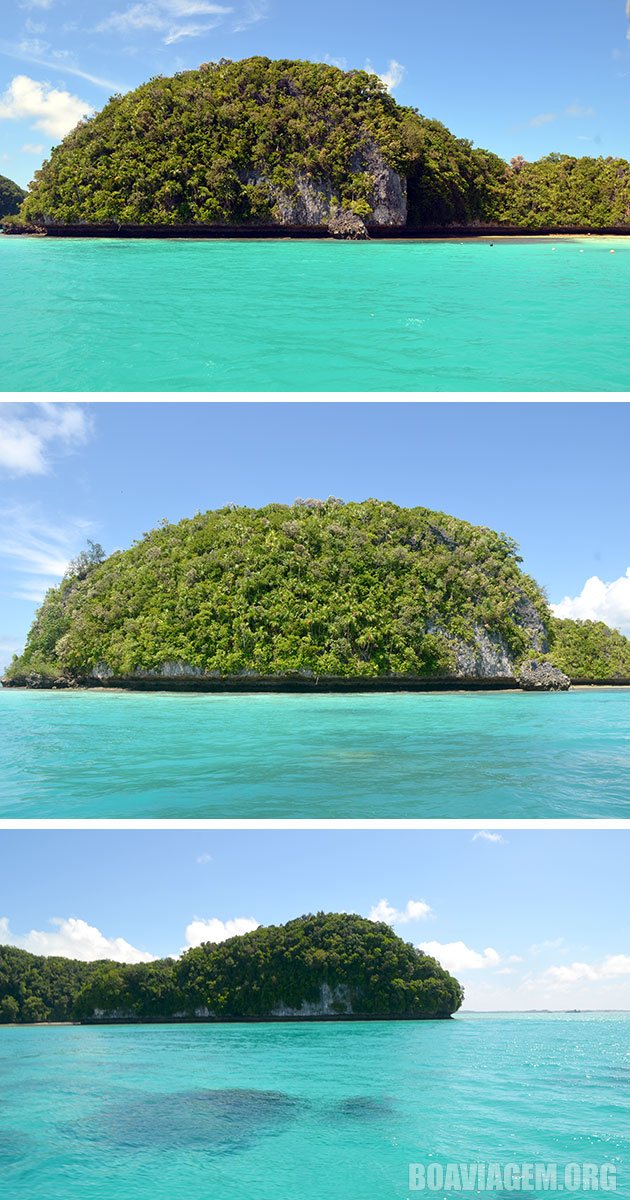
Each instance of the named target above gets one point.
<point>320,594</point>
<point>262,144</point>
<point>330,966</point>
<point>11,197</point>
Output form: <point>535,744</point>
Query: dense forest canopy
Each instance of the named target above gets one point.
<point>289,141</point>
<point>342,963</point>
<point>590,650</point>
<point>11,197</point>
<point>322,587</point>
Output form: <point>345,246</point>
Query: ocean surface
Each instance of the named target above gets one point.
<point>451,754</point>
<point>316,1112</point>
<point>117,315</point>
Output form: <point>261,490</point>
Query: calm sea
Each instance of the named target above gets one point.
<point>316,1112</point>
<point>111,315</point>
<point>166,755</point>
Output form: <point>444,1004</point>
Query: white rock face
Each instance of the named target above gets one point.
<point>328,1004</point>
<point>488,658</point>
<point>314,199</point>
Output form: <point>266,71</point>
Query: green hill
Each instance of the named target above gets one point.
<point>293,142</point>
<point>260,141</point>
<point>316,589</point>
<point>331,964</point>
<point>11,197</point>
<point>590,650</point>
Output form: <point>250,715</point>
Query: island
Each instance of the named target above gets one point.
<point>322,967</point>
<point>11,197</point>
<point>318,595</point>
<point>288,147</point>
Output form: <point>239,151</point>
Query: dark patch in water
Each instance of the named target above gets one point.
<point>217,1122</point>
<point>365,1108</point>
<point>14,1147</point>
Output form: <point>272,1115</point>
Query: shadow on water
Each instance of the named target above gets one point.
<point>215,1122</point>
<point>14,1146</point>
<point>364,1108</point>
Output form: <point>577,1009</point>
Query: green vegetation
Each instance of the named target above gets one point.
<point>346,962</point>
<point>11,197</point>
<point>321,587</point>
<point>229,142</point>
<point>561,190</point>
<point>248,141</point>
<point>589,650</point>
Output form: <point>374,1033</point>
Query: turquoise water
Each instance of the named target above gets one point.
<point>110,315</point>
<point>316,1112</point>
<point>161,755</point>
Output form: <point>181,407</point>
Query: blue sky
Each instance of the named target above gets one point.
<point>559,940</point>
<point>519,79</point>
<point>553,476</point>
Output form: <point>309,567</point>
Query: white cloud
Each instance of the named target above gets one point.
<point>165,17</point>
<point>392,77</point>
<point>202,859</point>
<point>615,966</point>
<point>414,910</point>
<point>73,938</point>
<point>484,835</point>
<point>30,148</point>
<point>54,111</point>
<point>215,930</point>
<point>457,956</point>
<point>599,601</point>
<point>548,944</point>
<point>31,433</point>
<point>37,3</point>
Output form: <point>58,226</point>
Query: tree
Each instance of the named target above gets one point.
<point>34,1010</point>
<point>85,561</point>
<point>9,1011</point>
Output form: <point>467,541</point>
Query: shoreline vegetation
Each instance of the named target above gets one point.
<point>324,967</point>
<point>285,148</point>
<point>321,595</point>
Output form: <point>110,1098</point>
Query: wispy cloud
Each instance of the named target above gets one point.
<point>548,944</point>
<point>542,119</point>
<point>31,435</point>
<point>167,17</point>
<point>578,110</point>
<point>41,54</point>
<point>485,835</point>
<point>202,859</point>
<point>574,111</point>
<point>31,148</point>
<point>255,11</point>
<point>213,929</point>
<point>54,111</point>
<point>35,553</point>
<point>414,910</point>
<point>599,601</point>
<point>73,938</point>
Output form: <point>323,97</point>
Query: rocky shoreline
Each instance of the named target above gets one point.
<point>332,230</point>
<point>277,1019</point>
<point>531,677</point>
